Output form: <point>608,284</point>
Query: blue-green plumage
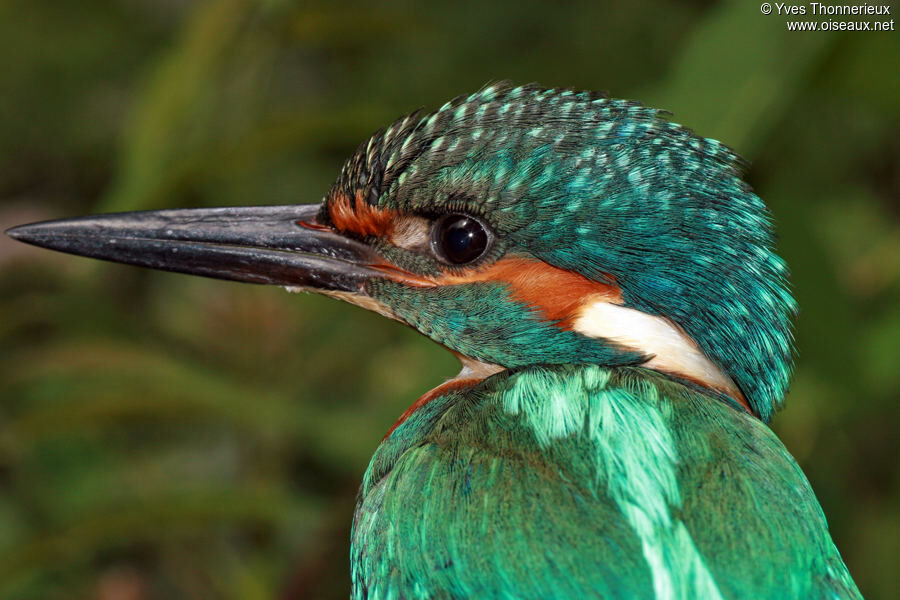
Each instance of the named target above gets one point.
<point>583,481</point>
<point>598,479</point>
<point>610,285</point>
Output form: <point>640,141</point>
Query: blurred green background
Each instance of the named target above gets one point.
<point>169,437</point>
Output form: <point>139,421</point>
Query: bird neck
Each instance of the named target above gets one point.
<point>518,321</point>
<point>472,373</point>
<point>669,348</point>
<point>550,402</point>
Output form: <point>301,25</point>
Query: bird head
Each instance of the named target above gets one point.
<point>516,226</point>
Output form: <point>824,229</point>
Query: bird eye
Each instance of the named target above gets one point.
<point>459,239</point>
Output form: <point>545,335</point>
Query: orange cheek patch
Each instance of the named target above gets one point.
<point>556,293</point>
<point>363,219</point>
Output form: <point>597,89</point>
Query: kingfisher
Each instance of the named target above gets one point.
<point>609,284</point>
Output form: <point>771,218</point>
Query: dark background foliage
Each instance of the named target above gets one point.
<point>169,437</point>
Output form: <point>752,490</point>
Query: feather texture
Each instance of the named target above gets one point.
<point>606,188</point>
<point>585,481</point>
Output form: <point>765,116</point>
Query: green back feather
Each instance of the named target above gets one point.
<point>583,481</point>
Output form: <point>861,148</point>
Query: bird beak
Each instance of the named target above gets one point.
<point>280,245</point>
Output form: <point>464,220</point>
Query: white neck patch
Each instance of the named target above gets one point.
<point>672,351</point>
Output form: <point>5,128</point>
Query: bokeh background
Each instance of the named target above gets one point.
<point>169,437</point>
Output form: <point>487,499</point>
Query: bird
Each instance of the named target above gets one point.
<point>609,284</point>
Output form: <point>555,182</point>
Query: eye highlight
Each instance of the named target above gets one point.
<point>459,239</point>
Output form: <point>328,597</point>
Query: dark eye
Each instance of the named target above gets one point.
<point>459,239</point>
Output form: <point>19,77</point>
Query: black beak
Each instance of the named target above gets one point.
<point>278,245</point>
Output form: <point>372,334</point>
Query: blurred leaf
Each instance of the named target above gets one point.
<point>152,521</point>
<point>165,120</point>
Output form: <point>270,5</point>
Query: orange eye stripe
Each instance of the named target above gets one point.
<point>556,293</point>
